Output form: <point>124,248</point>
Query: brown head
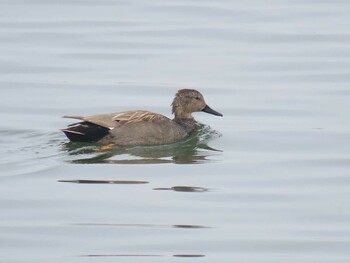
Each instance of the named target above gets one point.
<point>187,101</point>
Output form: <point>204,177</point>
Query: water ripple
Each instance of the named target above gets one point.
<point>27,151</point>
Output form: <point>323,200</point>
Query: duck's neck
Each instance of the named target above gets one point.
<point>188,124</point>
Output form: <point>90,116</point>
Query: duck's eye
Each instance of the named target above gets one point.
<point>197,98</point>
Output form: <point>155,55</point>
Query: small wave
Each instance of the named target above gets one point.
<point>27,151</point>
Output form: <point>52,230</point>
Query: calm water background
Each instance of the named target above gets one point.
<point>269,182</point>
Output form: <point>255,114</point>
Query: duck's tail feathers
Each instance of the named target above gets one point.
<point>85,132</point>
<point>73,117</point>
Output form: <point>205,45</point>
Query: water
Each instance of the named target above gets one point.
<point>268,182</point>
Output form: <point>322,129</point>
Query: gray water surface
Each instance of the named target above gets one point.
<point>268,182</point>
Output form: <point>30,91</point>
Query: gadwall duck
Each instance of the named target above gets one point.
<point>139,127</point>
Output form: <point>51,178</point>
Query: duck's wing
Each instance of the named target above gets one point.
<point>113,120</point>
<point>138,116</point>
<point>103,120</point>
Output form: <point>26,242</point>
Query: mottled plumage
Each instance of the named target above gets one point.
<point>140,127</point>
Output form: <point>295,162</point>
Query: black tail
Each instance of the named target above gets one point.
<point>85,132</point>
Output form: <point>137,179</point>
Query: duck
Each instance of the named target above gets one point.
<point>141,127</point>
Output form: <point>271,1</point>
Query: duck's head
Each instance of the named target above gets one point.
<point>187,101</point>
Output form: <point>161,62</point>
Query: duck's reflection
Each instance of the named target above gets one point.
<point>192,189</point>
<point>192,150</point>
